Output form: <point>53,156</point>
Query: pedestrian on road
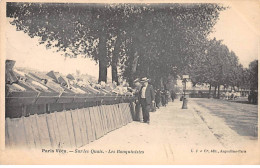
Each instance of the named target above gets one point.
<point>158,98</point>
<point>167,95</point>
<point>173,95</point>
<point>146,98</point>
<point>163,97</point>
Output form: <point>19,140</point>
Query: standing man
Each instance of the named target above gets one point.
<point>146,98</point>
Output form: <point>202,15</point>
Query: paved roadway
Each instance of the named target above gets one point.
<point>241,117</point>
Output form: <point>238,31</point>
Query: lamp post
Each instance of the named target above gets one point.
<point>184,101</point>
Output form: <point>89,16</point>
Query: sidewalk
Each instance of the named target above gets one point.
<point>172,136</point>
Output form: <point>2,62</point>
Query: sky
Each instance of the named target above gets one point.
<point>28,53</point>
<point>237,27</point>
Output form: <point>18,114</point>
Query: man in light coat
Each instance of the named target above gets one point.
<point>146,99</point>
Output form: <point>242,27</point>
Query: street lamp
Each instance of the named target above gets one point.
<point>184,101</point>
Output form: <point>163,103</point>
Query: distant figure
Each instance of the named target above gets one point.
<point>173,95</point>
<point>167,95</point>
<point>163,97</point>
<point>158,98</point>
<point>146,98</point>
<point>253,97</point>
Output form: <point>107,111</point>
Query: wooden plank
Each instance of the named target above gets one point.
<point>76,127</point>
<point>97,114</point>
<point>117,117</point>
<point>102,117</point>
<point>63,130</point>
<point>105,117</point>
<point>120,122</point>
<point>51,130</point>
<point>129,112</point>
<point>43,130</point>
<point>97,121</point>
<point>35,131</point>
<point>29,132</point>
<point>110,112</point>
<point>110,118</point>
<point>125,112</point>
<point>109,124</point>
<point>114,114</point>
<point>83,127</point>
<point>122,117</point>
<point>57,139</point>
<point>89,125</point>
<point>7,141</point>
<point>93,122</point>
<point>114,117</point>
<point>11,141</point>
<point>18,132</point>
<point>70,128</point>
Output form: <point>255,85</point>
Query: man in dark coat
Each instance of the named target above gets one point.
<point>163,97</point>
<point>167,94</point>
<point>158,98</point>
<point>173,95</point>
<point>146,99</point>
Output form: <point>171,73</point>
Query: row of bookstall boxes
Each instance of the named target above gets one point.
<point>27,87</point>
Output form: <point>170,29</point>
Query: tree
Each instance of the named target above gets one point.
<point>66,27</point>
<point>170,38</point>
<point>253,75</point>
<point>145,39</point>
<point>217,66</point>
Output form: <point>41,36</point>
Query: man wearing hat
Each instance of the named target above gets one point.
<point>146,98</point>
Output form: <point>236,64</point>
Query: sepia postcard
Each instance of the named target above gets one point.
<point>129,82</point>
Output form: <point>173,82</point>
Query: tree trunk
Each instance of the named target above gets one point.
<point>135,61</point>
<point>114,73</point>
<point>218,91</point>
<point>215,92</point>
<point>115,59</point>
<point>103,60</point>
<point>209,91</point>
<point>102,71</point>
<point>133,66</point>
